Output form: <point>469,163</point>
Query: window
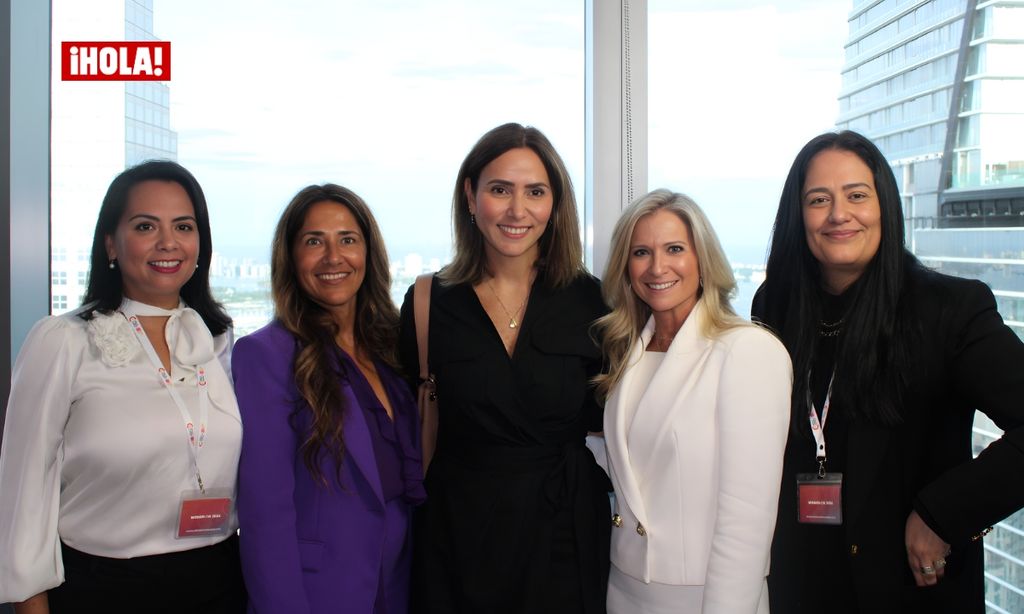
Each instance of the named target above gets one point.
<point>725,131</point>
<point>422,194</point>
<point>388,110</point>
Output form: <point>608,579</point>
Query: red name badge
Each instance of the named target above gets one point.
<point>819,499</point>
<point>204,516</point>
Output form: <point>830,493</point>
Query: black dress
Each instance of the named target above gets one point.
<point>517,514</point>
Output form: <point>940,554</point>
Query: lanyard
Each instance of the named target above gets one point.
<point>194,445</point>
<point>818,427</point>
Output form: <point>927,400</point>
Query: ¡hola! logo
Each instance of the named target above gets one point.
<point>115,61</point>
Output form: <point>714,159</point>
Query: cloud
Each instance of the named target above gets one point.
<point>389,96</point>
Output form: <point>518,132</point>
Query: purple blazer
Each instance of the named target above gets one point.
<point>307,547</point>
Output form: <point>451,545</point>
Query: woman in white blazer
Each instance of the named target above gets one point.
<point>695,423</point>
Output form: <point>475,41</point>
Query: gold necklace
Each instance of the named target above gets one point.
<point>512,323</point>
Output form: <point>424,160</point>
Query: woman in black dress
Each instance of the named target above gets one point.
<point>517,516</point>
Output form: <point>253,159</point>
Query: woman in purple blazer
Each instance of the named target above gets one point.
<point>330,465</point>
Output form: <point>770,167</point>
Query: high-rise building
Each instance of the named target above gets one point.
<point>939,86</point>
<point>103,127</point>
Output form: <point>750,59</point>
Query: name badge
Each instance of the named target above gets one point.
<point>819,499</point>
<point>204,515</point>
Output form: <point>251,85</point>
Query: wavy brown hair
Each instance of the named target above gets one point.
<point>318,373</point>
<point>561,248</point>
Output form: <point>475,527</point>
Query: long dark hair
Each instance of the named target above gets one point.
<point>871,359</point>
<point>376,319</point>
<point>106,291</point>
<point>561,248</point>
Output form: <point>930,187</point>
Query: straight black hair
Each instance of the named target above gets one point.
<point>106,291</point>
<point>872,356</point>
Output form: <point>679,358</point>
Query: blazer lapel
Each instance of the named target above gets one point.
<point>358,443</point>
<point>616,426</point>
<point>654,403</point>
<point>664,398</point>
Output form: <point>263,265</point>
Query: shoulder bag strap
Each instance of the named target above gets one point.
<point>421,312</point>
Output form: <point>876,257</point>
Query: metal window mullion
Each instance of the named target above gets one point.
<point>616,117</point>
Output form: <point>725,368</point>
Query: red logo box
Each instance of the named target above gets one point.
<point>115,61</point>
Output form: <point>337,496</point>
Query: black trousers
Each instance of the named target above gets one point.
<point>205,580</point>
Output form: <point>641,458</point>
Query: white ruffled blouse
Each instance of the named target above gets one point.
<point>95,451</point>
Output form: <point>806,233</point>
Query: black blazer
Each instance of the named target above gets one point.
<point>968,359</point>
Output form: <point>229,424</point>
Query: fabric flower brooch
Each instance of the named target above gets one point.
<point>113,336</point>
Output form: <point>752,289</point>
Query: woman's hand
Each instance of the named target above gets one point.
<point>37,604</point>
<point>926,552</point>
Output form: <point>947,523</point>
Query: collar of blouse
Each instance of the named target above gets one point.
<point>188,337</point>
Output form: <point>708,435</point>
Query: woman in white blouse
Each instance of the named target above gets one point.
<point>121,443</point>
<point>695,420</point>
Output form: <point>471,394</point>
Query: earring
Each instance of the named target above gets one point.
<point>112,264</point>
<point>700,282</point>
<point>472,219</point>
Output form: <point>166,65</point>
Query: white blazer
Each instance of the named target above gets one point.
<point>697,466</point>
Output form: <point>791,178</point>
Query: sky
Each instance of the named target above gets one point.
<point>734,93</point>
<point>387,98</point>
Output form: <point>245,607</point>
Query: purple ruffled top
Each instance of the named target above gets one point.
<point>396,440</point>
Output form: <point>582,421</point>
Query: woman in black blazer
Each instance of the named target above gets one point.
<point>890,360</point>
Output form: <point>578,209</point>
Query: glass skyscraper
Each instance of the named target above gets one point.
<point>939,86</point>
<point>147,104</point>
<point>102,127</point>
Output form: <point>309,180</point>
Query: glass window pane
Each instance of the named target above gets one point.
<point>735,92</point>
<point>266,101</point>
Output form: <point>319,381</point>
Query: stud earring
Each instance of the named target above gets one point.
<point>112,264</point>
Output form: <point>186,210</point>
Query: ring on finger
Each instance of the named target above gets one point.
<point>940,563</point>
<point>928,570</point>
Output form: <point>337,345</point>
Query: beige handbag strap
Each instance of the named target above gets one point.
<point>421,313</point>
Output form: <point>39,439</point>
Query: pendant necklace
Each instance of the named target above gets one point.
<point>830,329</point>
<point>512,322</point>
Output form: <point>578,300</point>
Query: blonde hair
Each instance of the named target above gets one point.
<point>620,329</point>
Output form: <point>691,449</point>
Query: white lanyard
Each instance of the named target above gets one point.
<point>818,427</point>
<point>194,445</point>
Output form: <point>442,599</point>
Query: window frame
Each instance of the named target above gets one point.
<point>615,145</point>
